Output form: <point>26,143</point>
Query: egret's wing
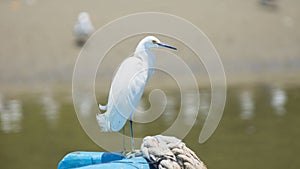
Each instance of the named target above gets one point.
<point>126,90</point>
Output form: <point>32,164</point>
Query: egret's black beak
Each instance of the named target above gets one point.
<point>166,46</point>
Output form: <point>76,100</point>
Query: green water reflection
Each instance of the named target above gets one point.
<point>259,129</point>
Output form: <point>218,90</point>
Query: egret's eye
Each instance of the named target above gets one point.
<point>154,41</point>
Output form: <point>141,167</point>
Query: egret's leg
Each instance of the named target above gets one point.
<point>131,135</point>
<point>123,140</point>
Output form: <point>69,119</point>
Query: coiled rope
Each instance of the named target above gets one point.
<point>166,152</point>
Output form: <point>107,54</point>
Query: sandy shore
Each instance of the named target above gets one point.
<point>256,43</point>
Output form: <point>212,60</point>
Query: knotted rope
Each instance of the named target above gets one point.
<point>169,153</point>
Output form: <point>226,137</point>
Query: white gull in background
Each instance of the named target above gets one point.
<point>83,28</point>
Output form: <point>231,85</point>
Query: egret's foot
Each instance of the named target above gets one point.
<point>133,154</point>
<point>124,153</point>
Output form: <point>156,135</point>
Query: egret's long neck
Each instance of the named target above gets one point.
<point>146,56</point>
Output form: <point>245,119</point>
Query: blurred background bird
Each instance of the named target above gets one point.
<point>83,28</point>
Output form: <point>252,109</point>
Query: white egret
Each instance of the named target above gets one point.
<point>128,86</point>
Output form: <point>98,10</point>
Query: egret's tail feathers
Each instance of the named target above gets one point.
<point>103,122</point>
<point>103,108</point>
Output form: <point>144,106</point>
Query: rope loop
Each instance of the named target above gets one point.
<point>167,152</point>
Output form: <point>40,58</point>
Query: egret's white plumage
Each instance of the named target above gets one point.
<point>84,26</point>
<point>126,90</point>
<point>128,85</point>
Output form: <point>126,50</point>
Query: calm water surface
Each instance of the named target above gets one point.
<point>259,128</point>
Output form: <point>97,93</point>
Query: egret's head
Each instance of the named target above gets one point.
<point>153,42</point>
